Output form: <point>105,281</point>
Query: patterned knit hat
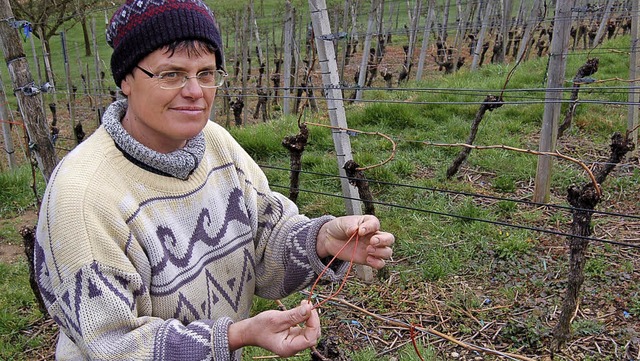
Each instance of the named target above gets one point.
<point>140,27</point>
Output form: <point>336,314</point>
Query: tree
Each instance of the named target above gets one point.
<point>46,17</point>
<point>40,144</point>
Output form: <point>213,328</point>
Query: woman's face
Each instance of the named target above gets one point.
<point>164,119</point>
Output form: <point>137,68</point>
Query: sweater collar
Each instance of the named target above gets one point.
<point>179,163</point>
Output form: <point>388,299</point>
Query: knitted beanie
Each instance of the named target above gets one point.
<point>140,27</point>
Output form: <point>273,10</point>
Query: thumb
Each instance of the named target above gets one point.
<point>300,313</point>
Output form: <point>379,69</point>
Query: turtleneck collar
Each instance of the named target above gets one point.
<point>179,163</point>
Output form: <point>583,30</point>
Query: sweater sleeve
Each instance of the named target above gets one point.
<point>284,240</point>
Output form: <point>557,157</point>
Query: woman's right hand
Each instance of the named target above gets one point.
<point>284,333</point>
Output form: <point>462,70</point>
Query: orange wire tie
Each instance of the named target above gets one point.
<point>344,280</point>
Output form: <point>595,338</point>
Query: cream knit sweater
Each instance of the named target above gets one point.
<point>134,265</point>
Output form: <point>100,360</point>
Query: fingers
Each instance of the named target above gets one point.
<point>300,314</point>
<point>301,337</point>
<point>312,327</point>
<point>374,246</point>
<point>380,245</point>
<point>375,262</point>
<point>382,239</point>
<point>379,252</point>
<point>367,224</point>
<point>305,313</point>
<point>379,249</point>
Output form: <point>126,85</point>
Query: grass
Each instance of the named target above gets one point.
<point>16,190</point>
<point>19,313</point>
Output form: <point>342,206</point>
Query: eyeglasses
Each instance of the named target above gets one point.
<point>174,79</point>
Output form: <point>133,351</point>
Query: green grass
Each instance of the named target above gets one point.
<point>16,190</point>
<point>18,313</point>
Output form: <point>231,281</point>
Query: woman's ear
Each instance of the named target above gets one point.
<point>125,85</point>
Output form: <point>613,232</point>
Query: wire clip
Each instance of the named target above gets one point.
<point>17,24</point>
<point>26,27</point>
<point>29,89</point>
<point>331,37</point>
<point>47,87</point>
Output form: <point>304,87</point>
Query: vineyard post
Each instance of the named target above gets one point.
<point>603,23</point>
<point>445,21</point>
<point>298,26</point>
<point>365,51</point>
<point>380,45</point>
<point>425,39</point>
<point>506,21</point>
<point>35,59</point>
<point>477,18</point>
<point>25,90</point>
<point>553,97</point>
<point>287,53</point>
<point>6,130</point>
<point>345,27</point>
<point>331,83</point>
<point>43,97</point>
<point>414,18</point>
<point>528,30</point>
<point>390,21</point>
<point>267,73</point>
<point>460,33</point>
<point>70,92</point>
<point>480,38</point>
<point>634,73</point>
<point>336,25</point>
<point>99,77</point>
<point>236,42</point>
<point>47,66</point>
<point>256,33</point>
<point>245,40</point>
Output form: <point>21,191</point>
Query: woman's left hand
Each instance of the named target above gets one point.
<point>374,246</point>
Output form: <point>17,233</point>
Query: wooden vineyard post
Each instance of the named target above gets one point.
<point>6,130</point>
<point>531,23</point>
<point>246,67</point>
<point>345,19</point>
<point>603,23</point>
<point>414,18</point>
<point>475,63</point>
<point>445,21</point>
<point>70,92</point>
<point>425,39</point>
<point>26,92</point>
<point>461,30</point>
<point>506,19</point>
<point>634,73</point>
<point>365,50</point>
<point>331,81</point>
<point>47,67</point>
<point>287,54</point>
<point>100,108</point>
<point>553,97</point>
